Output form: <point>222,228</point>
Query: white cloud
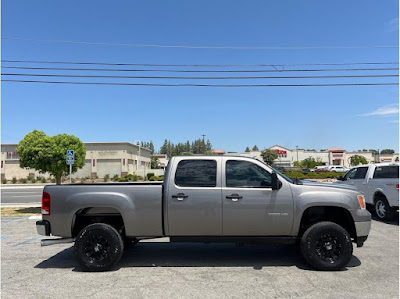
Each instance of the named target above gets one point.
<point>392,109</point>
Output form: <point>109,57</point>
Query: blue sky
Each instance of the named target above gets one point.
<point>354,117</point>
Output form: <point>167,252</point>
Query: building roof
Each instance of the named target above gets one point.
<point>218,151</point>
<point>336,149</point>
<point>281,147</point>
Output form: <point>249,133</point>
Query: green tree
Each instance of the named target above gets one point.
<point>357,160</point>
<point>255,149</point>
<point>247,150</point>
<point>154,163</point>
<point>397,159</point>
<point>269,156</point>
<point>387,151</point>
<point>374,152</point>
<point>48,153</point>
<point>310,163</point>
<point>298,164</point>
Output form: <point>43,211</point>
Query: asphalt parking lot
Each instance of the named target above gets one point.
<point>160,269</point>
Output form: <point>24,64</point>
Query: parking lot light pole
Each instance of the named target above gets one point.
<point>297,153</point>
<point>138,157</point>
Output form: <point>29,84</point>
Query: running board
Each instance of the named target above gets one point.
<point>47,242</point>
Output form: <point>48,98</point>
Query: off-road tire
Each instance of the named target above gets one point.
<point>98,247</point>
<point>326,246</point>
<point>382,209</point>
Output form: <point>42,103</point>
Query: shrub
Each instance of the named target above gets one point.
<point>106,177</point>
<point>129,177</point>
<point>116,178</point>
<point>153,178</point>
<point>43,180</point>
<point>139,178</point>
<point>83,180</point>
<point>33,180</point>
<point>53,180</point>
<point>72,180</point>
<point>161,178</point>
<point>4,181</point>
<point>149,175</point>
<point>123,180</point>
<point>23,181</point>
<point>14,180</point>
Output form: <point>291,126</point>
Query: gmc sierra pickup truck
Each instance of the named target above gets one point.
<point>207,199</point>
<point>379,183</point>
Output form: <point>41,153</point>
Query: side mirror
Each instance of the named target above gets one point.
<point>340,178</point>
<point>276,184</point>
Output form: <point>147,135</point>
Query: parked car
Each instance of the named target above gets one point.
<point>320,169</point>
<point>380,185</point>
<point>337,168</point>
<point>207,199</point>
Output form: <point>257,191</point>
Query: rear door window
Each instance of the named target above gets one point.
<point>196,173</point>
<point>386,172</point>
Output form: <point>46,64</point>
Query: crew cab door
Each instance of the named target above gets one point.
<point>250,206</point>
<point>194,206</point>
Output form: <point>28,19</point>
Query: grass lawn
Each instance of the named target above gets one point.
<point>20,211</point>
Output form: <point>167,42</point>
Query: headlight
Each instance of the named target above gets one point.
<point>361,201</point>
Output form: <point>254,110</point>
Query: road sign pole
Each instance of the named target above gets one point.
<point>70,173</point>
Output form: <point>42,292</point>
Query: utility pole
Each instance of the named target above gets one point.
<point>297,153</point>
<point>138,157</point>
<point>203,143</point>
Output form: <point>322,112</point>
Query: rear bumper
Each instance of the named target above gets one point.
<point>43,227</point>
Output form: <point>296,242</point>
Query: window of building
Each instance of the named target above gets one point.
<point>244,174</point>
<point>196,173</point>
<point>386,172</point>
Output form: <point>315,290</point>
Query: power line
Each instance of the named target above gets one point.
<point>201,47</point>
<point>192,65</point>
<point>203,85</point>
<point>197,71</point>
<point>197,78</point>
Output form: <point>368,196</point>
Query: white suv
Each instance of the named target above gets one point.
<point>337,168</point>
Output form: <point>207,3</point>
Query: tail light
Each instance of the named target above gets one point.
<point>46,203</point>
<point>397,187</point>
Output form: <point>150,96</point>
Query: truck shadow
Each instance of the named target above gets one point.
<point>395,221</point>
<point>165,254</point>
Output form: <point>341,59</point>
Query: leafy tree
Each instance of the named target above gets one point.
<point>298,164</point>
<point>269,156</point>
<point>397,159</point>
<point>48,153</point>
<point>357,160</point>
<point>255,149</point>
<point>387,151</point>
<point>311,163</point>
<point>247,150</point>
<point>154,163</point>
<point>374,152</point>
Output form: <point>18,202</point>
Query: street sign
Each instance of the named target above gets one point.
<point>70,157</point>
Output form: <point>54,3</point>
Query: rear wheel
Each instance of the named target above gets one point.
<point>383,209</point>
<point>98,247</point>
<point>327,246</point>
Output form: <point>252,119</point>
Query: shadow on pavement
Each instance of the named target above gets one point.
<point>395,221</point>
<point>164,254</point>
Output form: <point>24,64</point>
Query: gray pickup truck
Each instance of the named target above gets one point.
<point>207,199</point>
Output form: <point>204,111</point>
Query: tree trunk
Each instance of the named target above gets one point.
<point>58,180</point>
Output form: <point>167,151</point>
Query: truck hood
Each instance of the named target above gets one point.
<point>329,185</point>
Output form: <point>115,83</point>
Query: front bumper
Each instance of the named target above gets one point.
<point>362,230</point>
<point>43,227</point>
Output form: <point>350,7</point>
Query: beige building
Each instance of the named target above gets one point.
<point>332,156</point>
<point>102,158</point>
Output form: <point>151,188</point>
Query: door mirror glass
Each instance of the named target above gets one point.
<point>340,178</point>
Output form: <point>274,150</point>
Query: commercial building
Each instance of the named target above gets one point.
<point>332,156</point>
<point>102,158</point>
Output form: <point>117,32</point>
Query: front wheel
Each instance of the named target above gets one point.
<point>383,209</point>
<point>98,247</point>
<point>327,246</point>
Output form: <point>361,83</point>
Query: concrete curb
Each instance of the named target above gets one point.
<point>21,187</point>
<point>22,205</point>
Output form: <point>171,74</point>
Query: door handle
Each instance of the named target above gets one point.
<point>180,196</point>
<point>234,197</point>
